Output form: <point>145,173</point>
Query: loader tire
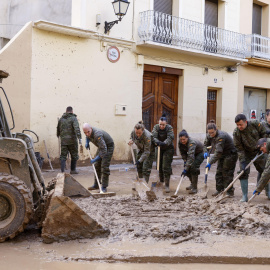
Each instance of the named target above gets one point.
<point>16,206</point>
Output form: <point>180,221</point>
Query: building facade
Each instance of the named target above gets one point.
<point>194,60</point>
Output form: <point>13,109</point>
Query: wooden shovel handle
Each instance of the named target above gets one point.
<point>94,168</point>
<point>158,157</point>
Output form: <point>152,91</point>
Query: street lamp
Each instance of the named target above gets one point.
<point>120,9</point>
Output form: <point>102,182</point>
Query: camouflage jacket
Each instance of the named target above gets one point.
<point>101,139</point>
<point>245,141</point>
<point>266,173</point>
<point>267,127</point>
<point>190,150</point>
<point>68,129</point>
<point>166,135</point>
<point>223,144</point>
<point>145,143</point>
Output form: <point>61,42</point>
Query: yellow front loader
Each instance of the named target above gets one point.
<point>24,197</point>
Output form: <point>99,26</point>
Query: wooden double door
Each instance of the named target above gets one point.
<point>160,95</point>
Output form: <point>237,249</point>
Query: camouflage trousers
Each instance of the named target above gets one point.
<point>259,165</point>
<point>103,166</point>
<point>144,168</point>
<point>72,149</point>
<point>165,164</point>
<point>225,171</point>
<point>194,169</point>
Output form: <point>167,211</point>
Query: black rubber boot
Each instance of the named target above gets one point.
<point>194,184</point>
<point>190,186</point>
<point>73,167</point>
<point>161,177</point>
<point>167,184</point>
<point>63,165</point>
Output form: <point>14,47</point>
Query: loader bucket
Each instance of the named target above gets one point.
<point>64,219</point>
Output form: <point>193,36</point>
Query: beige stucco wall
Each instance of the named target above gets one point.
<point>15,58</point>
<point>192,10</point>
<point>71,71</point>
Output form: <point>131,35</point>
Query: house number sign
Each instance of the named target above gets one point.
<point>113,54</point>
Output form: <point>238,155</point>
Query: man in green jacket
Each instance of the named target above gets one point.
<point>225,155</point>
<point>146,154</point>
<point>163,136</point>
<point>192,153</point>
<point>245,137</point>
<point>104,142</point>
<point>68,130</point>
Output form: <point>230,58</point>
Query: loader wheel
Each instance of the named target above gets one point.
<point>15,206</point>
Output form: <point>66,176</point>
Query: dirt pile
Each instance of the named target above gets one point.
<point>176,218</point>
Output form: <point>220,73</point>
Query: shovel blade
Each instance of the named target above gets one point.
<point>202,192</point>
<point>157,187</point>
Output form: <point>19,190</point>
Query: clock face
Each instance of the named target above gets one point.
<point>113,54</point>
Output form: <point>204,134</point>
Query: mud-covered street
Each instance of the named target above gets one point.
<point>186,229</point>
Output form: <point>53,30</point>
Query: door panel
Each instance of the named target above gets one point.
<point>160,95</point>
<point>255,100</point>
<point>211,105</point>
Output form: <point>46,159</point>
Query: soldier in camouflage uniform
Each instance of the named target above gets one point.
<point>104,142</point>
<point>192,153</point>
<point>245,138</point>
<point>146,155</point>
<point>163,137</point>
<point>69,131</point>
<point>266,124</point>
<point>264,146</point>
<point>225,154</point>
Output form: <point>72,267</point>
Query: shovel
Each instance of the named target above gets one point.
<point>101,193</point>
<point>141,185</point>
<point>178,187</point>
<point>52,170</point>
<point>203,192</point>
<point>158,186</point>
<point>223,195</point>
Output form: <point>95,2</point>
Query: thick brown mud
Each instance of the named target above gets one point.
<point>186,230</point>
<point>176,219</point>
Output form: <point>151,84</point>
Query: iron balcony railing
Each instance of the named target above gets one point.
<point>186,34</point>
<point>258,46</point>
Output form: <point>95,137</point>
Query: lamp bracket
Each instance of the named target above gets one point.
<point>109,25</point>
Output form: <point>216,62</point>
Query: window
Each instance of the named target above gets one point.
<point>164,6</point>
<point>211,12</point>
<point>257,19</point>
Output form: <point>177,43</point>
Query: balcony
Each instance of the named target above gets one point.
<point>258,50</point>
<point>165,30</point>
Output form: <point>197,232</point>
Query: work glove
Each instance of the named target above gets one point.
<point>184,172</point>
<point>256,192</point>
<point>208,166</point>
<point>185,162</point>
<point>205,155</point>
<point>87,146</point>
<point>80,141</point>
<point>162,143</point>
<point>243,165</point>
<point>97,158</point>
<point>157,143</point>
